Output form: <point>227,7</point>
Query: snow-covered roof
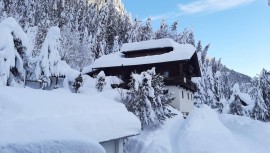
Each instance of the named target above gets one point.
<point>150,44</point>
<point>41,116</point>
<point>180,52</point>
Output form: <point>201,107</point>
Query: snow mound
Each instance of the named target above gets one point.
<point>160,140</point>
<point>53,147</point>
<point>254,135</point>
<point>204,131</point>
<point>38,116</point>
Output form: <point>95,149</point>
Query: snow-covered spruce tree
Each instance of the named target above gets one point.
<point>163,31</point>
<point>148,100</point>
<point>138,99</point>
<point>173,30</point>
<point>186,37</point>
<point>236,107</point>
<point>147,31</point>
<point>238,101</point>
<point>212,84</point>
<point>265,87</point>
<point>135,34</point>
<point>15,53</point>
<point>201,95</point>
<point>100,81</point>
<point>162,97</point>
<point>261,94</point>
<point>116,45</point>
<point>259,111</point>
<point>48,63</point>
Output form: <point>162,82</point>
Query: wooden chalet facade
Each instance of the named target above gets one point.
<point>177,72</point>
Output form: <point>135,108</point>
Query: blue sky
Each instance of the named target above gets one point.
<point>238,30</point>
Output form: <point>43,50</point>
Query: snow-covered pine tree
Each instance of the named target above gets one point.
<point>116,45</point>
<point>200,95</point>
<point>48,62</point>
<point>15,53</point>
<point>265,87</point>
<point>186,37</point>
<point>259,111</point>
<point>111,24</point>
<point>147,31</point>
<point>236,107</point>
<point>173,31</point>
<point>163,31</point>
<point>100,81</point>
<point>237,102</point>
<point>190,38</point>
<point>148,99</point>
<point>162,97</point>
<point>3,14</point>
<point>138,99</point>
<point>210,85</point>
<point>261,95</point>
<point>136,31</point>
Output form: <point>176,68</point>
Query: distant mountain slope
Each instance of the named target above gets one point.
<point>236,77</point>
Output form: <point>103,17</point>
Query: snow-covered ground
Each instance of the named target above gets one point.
<point>204,131</point>
<point>35,120</point>
<point>59,121</point>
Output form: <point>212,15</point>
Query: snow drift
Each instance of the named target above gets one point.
<point>204,131</point>
<point>34,118</point>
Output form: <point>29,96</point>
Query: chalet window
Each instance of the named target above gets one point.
<point>183,94</point>
<point>166,74</point>
<point>188,95</point>
<point>191,97</point>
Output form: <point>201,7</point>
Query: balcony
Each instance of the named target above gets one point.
<point>182,81</point>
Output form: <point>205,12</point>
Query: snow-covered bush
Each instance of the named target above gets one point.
<point>100,83</point>
<point>77,83</point>
<point>147,99</point>
<point>15,51</point>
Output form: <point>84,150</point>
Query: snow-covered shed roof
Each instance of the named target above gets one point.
<point>180,52</point>
<point>150,44</point>
<point>41,116</point>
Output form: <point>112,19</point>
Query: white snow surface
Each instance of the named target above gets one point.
<point>180,52</point>
<point>149,44</point>
<point>204,131</point>
<point>35,118</point>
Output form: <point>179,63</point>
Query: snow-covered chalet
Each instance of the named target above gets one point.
<point>178,63</point>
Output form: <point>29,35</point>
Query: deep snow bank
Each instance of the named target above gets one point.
<point>205,131</point>
<point>36,118</point>
<point>52,147</point>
